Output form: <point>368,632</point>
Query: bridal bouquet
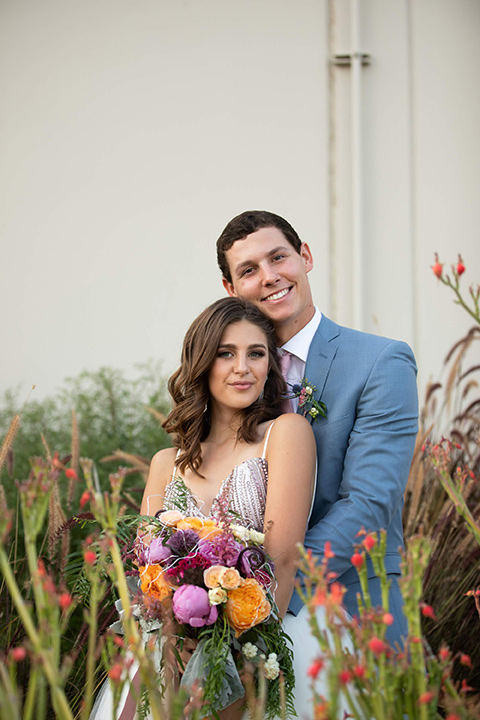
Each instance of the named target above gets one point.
<point>217,580</point>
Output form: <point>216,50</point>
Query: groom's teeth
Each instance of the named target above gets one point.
<point>278,295</point>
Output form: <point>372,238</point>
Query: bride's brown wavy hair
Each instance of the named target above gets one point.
<point>188,386</point>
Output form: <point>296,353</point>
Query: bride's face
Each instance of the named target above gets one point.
<point>240,368</point>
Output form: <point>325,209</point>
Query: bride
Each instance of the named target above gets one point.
<point>234,451</point>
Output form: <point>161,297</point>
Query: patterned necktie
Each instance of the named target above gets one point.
<point>285,360</point>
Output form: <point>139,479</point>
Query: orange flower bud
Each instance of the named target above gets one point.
<point>437,267</point>
<point>465,660</point>
<point>315,668</point>
<point>18,653</point>
<point>369,542</point>
<point>357,560</point>
<point>444,654</point>
<point>460,265</point>
<point>65,600</point>
<point>388,619</point>
<point>115,672</point>
<point>359,671</point>
<point>327,551</point>
<point>71,474</point>
<point>425,698</point>
<point>90,557</point>
<point>427,611</point>
<point>377,646</point>
<point>344,677</point>
<point>84,498</point>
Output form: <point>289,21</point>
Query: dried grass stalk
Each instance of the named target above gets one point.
<point>9,438</point>
<point>47,449</point>
<point>156,414</point>
<point>75,458</point>
<point>56,518</point>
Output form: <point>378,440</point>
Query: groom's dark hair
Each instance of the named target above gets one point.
<point>249,222</point>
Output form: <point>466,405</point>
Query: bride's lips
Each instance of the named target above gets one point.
<point>241,385</point>
<point>277,295</point>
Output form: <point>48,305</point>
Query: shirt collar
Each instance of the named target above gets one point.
<point>299,344</point>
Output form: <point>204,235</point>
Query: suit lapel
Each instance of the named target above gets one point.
<point>322,351</point>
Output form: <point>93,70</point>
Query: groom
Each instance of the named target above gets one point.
<point>368,384</point>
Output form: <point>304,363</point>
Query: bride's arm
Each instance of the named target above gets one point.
<point>291,457</point>
<point>159,475</point>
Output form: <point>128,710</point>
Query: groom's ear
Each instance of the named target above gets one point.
<point>229,287</point>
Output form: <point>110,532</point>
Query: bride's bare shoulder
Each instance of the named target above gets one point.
<point>291,422</point>
<point>163,461</point>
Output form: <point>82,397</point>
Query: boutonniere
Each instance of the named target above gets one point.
<point>307,401</point>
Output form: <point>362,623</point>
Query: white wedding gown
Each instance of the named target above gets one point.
<point>244,492</point>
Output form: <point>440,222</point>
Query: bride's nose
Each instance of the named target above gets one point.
<point>241,364</point>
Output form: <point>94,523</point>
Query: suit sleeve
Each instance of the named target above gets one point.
<point>378,457</point>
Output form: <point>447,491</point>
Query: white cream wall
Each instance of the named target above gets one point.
<point>131,132</point>
<point>420,146</point>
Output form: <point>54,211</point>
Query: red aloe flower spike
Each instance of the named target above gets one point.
<point>357,560</point>
<point>427,611</point>
<point>425,698</point>
<point>437,267</point>
<point>465,660</point>
<point>460,266</point>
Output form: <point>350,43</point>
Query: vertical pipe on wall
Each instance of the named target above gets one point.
<point>357,199</point>
<point>413,179</point>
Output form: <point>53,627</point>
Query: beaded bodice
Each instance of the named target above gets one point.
<point>242,495</point>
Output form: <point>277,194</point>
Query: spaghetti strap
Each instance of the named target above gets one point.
<point>267,435</point>
<point>174,471</point>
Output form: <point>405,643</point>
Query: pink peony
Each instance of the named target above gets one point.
<point>191,606</point>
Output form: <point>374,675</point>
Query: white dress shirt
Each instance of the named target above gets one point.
<point>299,346</point>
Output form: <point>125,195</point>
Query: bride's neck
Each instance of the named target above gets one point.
<point>224,426</point>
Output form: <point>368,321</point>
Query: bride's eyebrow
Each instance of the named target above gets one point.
<point>232,346</point>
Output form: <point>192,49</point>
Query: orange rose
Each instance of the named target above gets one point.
<point>171,517</point>
<point>212,576</point>
<point>204,528</point>
<point>230,579</point>
<point>190,523</point>
<point>246,606</point>
<point>153,582</point>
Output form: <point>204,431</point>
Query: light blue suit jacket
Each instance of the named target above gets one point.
<point>364,447</point>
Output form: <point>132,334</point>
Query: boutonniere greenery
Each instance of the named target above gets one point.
<point>304,391</point>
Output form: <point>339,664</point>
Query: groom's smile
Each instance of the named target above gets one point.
<point>277,295</point>
<point>267,270</point>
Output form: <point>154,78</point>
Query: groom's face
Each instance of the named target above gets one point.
<point>269,272</point>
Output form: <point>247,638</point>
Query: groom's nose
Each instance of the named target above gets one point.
<point>269,275</point>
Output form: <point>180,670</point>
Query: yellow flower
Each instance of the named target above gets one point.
<point>246,606</point>
<point>247,534</point>
<point>217,595</point>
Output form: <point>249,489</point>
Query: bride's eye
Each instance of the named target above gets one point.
<point>224,354</point>
<point>257,353</point>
